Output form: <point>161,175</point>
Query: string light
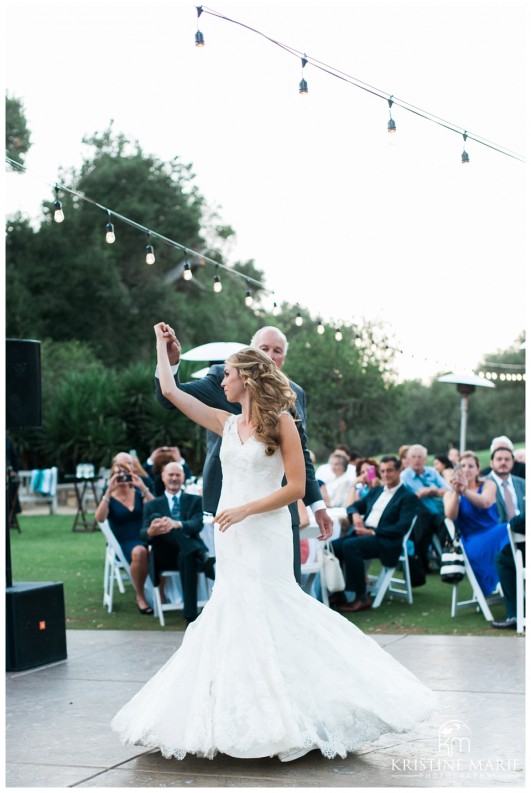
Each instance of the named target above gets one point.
<point>217,283</point>
<point>248,298</point>
<point>109,231</point>
<point>391,126</point>
<point>298,319</point>
<point>464,156</point>
<point>338,335</point>
<point>150,252</point>
<point>303,85</point>
<point>199,38</point>
<point>187,271</point>
<point>320,327</point>
<point>364,86</point>
<point>58,214</point>
<point>276,310</point>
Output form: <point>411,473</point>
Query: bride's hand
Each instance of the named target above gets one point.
<point>228,517</point>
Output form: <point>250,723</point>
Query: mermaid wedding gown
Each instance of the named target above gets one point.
<point>265,667</point>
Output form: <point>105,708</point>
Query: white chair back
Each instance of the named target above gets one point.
<point>388,581</point>
<point>520,581</point>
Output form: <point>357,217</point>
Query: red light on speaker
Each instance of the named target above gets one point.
<point>42,625</point>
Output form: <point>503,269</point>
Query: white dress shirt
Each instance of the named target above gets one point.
<point>379,505</point>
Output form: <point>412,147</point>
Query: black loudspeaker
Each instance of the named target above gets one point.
<point>23,384</point>
<point>35,625</point>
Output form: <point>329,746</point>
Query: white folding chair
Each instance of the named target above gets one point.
<point>173,593</point>
<point>314,567</point>
<point>387,581</point>
<point>116,569</point>
<point>520,581</point>
<point>478,599</point>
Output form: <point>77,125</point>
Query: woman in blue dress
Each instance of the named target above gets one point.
<point>122,505</point>
<point>471,504</point>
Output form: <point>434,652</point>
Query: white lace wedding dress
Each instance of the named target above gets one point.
<point>266,668</point>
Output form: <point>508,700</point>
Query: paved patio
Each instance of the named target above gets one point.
<point>58,732</point>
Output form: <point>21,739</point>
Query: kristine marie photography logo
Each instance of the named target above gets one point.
<point>455,757</point>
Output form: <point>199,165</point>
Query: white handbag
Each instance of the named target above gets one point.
<point>333,574</point>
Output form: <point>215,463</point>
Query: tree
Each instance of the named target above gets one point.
<point>17,132</point>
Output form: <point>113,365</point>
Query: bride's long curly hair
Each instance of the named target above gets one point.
<point>270,394</point>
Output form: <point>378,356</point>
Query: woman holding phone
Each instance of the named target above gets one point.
<point>122,505</point>
<point>367,476</point>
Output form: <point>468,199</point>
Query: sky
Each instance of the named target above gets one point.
<point>338,220</point>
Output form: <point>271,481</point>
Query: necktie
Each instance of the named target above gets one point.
<point>175,508</point>
<point>509,504</point>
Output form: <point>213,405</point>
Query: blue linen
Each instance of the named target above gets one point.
<point>429,477</point>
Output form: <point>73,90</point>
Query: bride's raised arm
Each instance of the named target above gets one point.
<point>210,418</point>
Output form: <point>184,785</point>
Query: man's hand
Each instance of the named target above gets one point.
<point>424,492</point>
<point>161,526</point>
<point>325,523</point>
<point>357,521</point>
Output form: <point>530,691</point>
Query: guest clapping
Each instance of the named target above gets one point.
<point>471,504</point>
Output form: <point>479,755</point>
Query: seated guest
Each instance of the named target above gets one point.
<point>510,489</point>
<point>135,466</point>
<point>387,514</point>
<point>339,486</point>
<point>506,569</point>
<point>471,504</point>
<point>325,473</point>
<point>160,458</point>
<point>402,456</point>
<point>453,455</point>
<point>367,476</point>
<point>444,466</point>
<point>122,504</point>
<point>503,442</point>
<point>175,455</point>
<point>172,524</point>
<point>429,487</point>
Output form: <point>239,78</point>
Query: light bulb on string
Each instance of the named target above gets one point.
<point>187,270</point>
<point>199,38</point>
<point>217,284</point>
<point>150,252</point>
<point>465,159</point>
<point>391,126</point>
<point>320,328</point>
<point>338,335</point>
<point>298,319</point>
<point>276,310</point>
<point>248,298</point>
<point>109,231</point>
<point>303,85</point>
<point>58,214</point>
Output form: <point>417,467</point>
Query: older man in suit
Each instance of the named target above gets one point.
<point>510,492</point>
<point>172,523</point>
<point>208,390</point>
<point>387,515</point>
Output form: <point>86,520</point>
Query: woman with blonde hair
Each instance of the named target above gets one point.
<point>239,684</point>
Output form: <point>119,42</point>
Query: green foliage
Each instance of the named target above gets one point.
<point>17,132</point>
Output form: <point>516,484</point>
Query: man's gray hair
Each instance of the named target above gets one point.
<point>417,447</point>
<point>269,327</point>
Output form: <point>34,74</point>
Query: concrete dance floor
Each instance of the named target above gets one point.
<point>58,732</point>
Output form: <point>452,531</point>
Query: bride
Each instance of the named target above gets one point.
<point>266,669</point>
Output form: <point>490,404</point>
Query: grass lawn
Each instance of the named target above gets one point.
<point>48,550</point>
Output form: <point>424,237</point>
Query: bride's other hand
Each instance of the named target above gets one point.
<point>229,517</point>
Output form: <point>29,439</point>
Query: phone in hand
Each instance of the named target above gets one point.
<point>124,478</point>
<point>370,473</point>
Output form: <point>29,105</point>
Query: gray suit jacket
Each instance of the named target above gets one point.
<point>208,390</point>
<point>519,486</point>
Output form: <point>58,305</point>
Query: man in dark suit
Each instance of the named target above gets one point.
<point>510,491</point>
<point>387,514</point>
<point>208,390</point>
<point>172,523</point>
<point>506,569</point>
